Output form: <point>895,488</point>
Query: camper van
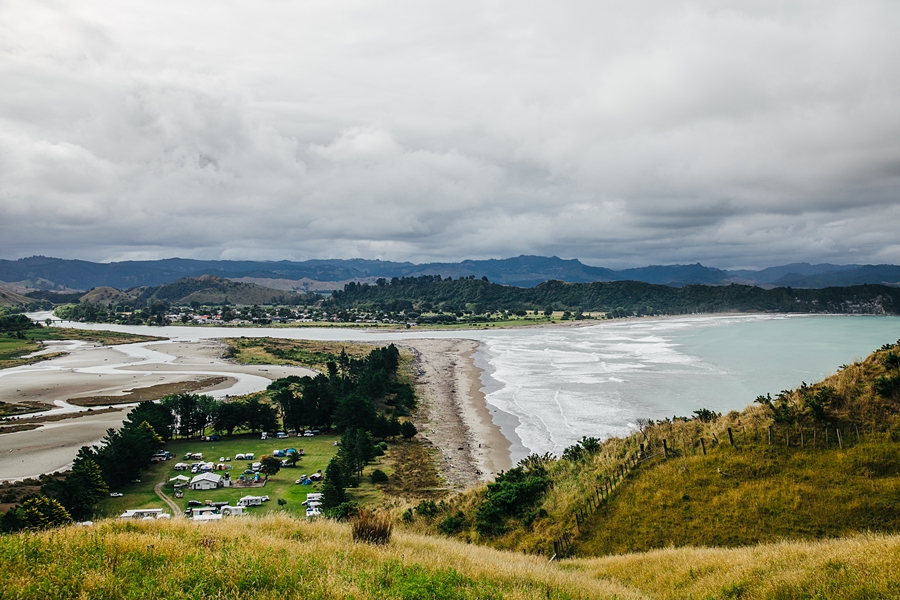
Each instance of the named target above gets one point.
<point>250,501</point>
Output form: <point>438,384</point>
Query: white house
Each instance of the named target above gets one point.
<point>206,481</point>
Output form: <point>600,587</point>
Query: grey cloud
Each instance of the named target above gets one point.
<point>738,134</point>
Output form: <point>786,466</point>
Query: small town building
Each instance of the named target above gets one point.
<point>206,481</point>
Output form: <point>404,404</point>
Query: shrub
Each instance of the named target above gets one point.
<point>378,476</point>
<point>452,523</point>
<point>371,528</point>
<point>342,511</point>
<point>427,508</point>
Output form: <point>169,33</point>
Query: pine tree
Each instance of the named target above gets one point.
<point>333,493</point>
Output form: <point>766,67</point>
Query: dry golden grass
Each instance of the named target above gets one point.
<point>272,557</point>
<point>861,566</point>
<point>280,557</point>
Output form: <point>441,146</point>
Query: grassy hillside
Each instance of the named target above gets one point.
<point>281,557</point>
<point>831,468</point>
<point>9,298</point>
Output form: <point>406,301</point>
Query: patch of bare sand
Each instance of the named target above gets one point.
<point>453,414</point>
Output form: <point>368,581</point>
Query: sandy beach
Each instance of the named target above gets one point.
<point>453,414</point>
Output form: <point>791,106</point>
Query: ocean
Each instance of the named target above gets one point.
<point>557,385</point>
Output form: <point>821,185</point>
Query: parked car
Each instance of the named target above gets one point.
<point>115,494</point>
<point>265,498</point>
<point>194,503</point>
<point>308,434</point>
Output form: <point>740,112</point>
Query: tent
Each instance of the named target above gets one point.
<point>179,479</point>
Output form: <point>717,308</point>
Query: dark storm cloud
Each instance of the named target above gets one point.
<point>734,133</point>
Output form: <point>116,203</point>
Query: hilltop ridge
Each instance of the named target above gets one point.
<point>46,273</point>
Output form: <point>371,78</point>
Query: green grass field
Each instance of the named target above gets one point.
<point>317,452</point>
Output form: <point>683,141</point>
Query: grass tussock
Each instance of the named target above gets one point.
<point>372,527</point>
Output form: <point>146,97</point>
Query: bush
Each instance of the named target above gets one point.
<point>383,446</point>
<point>452,523</point>
<point>378,476</point>
<point>342,511</point>
<point>427,508</point>
<point>371,528</point>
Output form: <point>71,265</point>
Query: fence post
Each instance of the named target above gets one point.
<point>665,449</point>
<point>840,442</point>
<point>801,437</point>
<point>826,437</point>
<point>730,437</point>
<point>770,435</point>
<point>703,446</point>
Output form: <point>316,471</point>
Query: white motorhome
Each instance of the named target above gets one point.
<point>250,501</point>
<point>145,513</point>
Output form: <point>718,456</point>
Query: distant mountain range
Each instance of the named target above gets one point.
<point>43,273</point>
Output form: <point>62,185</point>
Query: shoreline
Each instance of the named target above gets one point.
<point>453,414</point>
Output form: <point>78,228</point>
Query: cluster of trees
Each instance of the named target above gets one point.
<point>515,494</point>
<point>152,314</point>
<point>16,323</point>
<point>354,393</point>
<point>357,449</point>
<point>620,298</point>
<point>119,458</point>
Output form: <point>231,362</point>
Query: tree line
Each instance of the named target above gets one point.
<point>624,298</point>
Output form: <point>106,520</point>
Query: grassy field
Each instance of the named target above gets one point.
<point>304,353</point>
<point>277,556</point>
<point>753,494</point>
<point>317,452</point>
<point>107,338</point>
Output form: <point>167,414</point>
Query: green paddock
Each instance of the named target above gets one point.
<point>317,452</point>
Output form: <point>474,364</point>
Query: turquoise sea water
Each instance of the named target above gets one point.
<point>561,384</point>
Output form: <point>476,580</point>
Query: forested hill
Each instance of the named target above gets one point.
<point>431,293</point>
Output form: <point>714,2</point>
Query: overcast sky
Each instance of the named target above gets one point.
<point>737,134</point>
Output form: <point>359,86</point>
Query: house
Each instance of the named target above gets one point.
<point>206,481</point>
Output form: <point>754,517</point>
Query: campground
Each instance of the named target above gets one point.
<point>317,452</point>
